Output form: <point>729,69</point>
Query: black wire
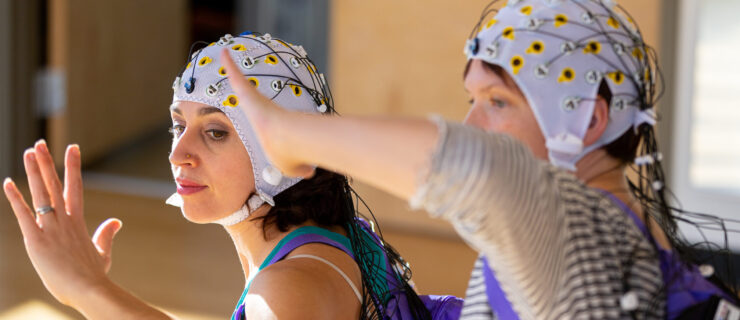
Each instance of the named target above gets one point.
<point>486,11</point>
<point>650,89</point>
<point>397,274</point>
<point>319,93</point>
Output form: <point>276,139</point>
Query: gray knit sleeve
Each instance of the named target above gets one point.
<point>504,202</point>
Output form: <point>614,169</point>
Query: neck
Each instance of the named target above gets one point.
<point>599,170</point>
<point>252,243</point>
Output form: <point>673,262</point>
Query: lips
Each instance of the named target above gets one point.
<point>186,187</point>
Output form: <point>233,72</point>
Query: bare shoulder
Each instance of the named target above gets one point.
<point>299,289</point>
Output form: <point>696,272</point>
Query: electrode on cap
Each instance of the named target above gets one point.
<point>272,175</point>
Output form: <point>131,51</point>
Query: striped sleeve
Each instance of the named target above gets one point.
<point>558,248</point>
<point>476,305</point>
<point>484,183</point>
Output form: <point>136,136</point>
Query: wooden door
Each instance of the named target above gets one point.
<point>116,61</point>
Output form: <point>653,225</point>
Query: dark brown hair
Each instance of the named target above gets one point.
<point>320,199</point>
<point>327,199</point>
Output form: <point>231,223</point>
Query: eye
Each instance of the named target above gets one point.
<point>176,130</point>
<point>471,101</point>
<point>498,103</point>
<point>216,134</point>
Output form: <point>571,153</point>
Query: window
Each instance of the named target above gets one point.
<point>303,22</point>
<point>706,133</point>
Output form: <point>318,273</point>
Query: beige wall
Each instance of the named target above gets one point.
<point>118,59</point>
<point>406,58</point>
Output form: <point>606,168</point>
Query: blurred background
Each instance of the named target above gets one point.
<point>99,73</point>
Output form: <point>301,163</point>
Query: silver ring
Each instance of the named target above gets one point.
<point>44,210</point>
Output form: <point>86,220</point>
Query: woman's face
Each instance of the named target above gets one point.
<point>498,106</point>
<point>210,165</point>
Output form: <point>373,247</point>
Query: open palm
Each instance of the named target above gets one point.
<point>69,262</point>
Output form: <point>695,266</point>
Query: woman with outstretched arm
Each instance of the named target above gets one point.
<point>562,96</point>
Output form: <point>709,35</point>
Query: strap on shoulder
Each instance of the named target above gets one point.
<point>341,273</point>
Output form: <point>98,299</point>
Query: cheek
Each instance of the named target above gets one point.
<point>536,143</point>
<point>502,122</point>
<point>525,129</point>
<point>235,173</point>
<point>528,130</point>
<point>484,119</point>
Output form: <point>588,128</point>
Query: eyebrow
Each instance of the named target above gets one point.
<point>486,88</point>
<point>202,112</point>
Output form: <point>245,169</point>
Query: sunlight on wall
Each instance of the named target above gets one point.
<point>39,310</point>
<point>33,310</point>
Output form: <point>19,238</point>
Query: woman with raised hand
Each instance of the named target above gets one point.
<point>304,251</point>
<point>563,91</point>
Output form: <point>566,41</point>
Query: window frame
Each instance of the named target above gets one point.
<point>706,200</point>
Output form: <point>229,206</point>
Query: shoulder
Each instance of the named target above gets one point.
<point>297,289</point>
<point>281,291</point>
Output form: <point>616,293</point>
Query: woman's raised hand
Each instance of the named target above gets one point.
<point>69,262</point>
<point>268,121</point>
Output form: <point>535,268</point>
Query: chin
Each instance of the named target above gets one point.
<point>197,214</point>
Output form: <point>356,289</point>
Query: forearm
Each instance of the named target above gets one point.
<point>111,301</point>
<point>504,202</point>
<point>388,153</point>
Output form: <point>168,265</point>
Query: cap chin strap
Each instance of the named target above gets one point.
<point>562,149</point>
<point>566,149</point>
<point>234,218</point>
<point>253,203</point>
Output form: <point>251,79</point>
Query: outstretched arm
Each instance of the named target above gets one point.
<point>387,153</point>
<point>500,198</point>
<point>72,266</point>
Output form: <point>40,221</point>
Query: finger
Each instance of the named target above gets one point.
<point>73,181</point>
<point>306,171</point>
<point>39,194</point>
<point>22,212</point>
<point>49,173</point>
<point>103,237</point>
<point>243,88</point>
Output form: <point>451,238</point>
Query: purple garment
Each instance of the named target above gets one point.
<point>496,297</point>
<point>286,249</point>
<point>397,306</point>
<point>686,286</point>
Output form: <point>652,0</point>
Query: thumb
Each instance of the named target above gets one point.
<point>305,171</point>
<point>243,88</point>
<point>257,107</point>
<point>103,237</point>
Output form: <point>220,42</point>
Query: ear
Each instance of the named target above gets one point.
<point>599,121</point>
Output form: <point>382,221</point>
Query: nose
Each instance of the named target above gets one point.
<point>182,153</point>
<point>475,117</point>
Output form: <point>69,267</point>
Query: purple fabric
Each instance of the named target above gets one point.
<point>306,239</point>
<point>239,313</point>
<point>442,307</point>
<point>397,307</point>
<point>286,249</point>
<point>685,284</point>
<point>496,297</point>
